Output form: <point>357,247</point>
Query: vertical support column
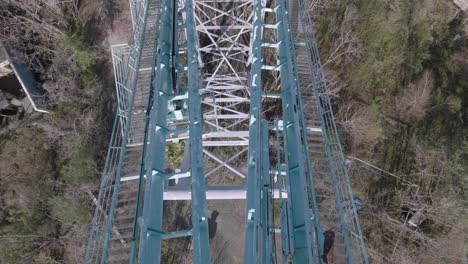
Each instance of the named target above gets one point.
<point>254,155</point>
<point>201,252</point>
<point>298,202</point>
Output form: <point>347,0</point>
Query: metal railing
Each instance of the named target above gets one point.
<point>126,80</point>
<point>356,251</point>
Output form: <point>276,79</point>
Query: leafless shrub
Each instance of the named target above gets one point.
<point>359,123</point>
<point>33,26</point>
<point>335,84</point>
<point>315,5</point>
<point>454,104</point>
<point>413,101</point>
<point>345,44</point>
<point>430,165</point>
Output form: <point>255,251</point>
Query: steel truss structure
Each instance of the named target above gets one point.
<point>225,80</point>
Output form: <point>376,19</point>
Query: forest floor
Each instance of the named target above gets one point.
<point>227,243</point>
<point>121,30</point>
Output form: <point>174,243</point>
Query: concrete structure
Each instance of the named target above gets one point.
<point>19,93</point>
<point>17,82</point>
<point>29,86</point>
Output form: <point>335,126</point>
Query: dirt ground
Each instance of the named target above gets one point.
<point>121,28</point>
<point>452,250</point>
<point>227,243</point>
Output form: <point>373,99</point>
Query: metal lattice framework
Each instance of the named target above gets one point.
<point>225,80</point>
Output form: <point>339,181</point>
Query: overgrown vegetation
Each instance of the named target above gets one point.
<point>47,166</point>
<point>398,72</point>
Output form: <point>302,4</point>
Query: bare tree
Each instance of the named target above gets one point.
<point>413,102</point>
<point>429,162</point>
<point>346,44</point>
<point>315,5</point>
<point>335,84</point>
<point>33,27</point>
<point>360,124</point>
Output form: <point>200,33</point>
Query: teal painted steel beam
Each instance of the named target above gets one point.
<point>171,235</point>
<point>254,153</point>
<point>309,170</point>
<point>150,242</point>
<point>297,223</point>
<point>201,248</point>
<point>266,200</point>
<point>136,227</point>
<point>298,202</point>
<point>141,180</point>
<point>286,233</point>
<point>146,136</point>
